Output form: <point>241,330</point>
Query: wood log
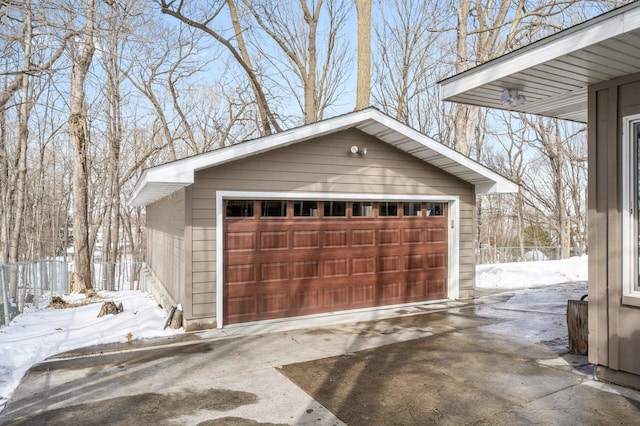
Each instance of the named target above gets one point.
<point>176,320</point>
<point>578,327</point>
<point>110,308</point>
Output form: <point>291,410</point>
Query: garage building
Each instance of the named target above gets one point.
<point>353,212</point>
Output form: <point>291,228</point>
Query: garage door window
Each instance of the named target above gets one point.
<point>274,208</point>
<point>313,208</point>
<point>335,208</point>
<point>362,209</point>
<point>435,209</point>
<point>386,209</point>
<point>239,208</point>
<point>412,209</point>
<point>305,208</point>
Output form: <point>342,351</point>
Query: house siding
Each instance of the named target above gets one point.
<point>166,243</point>
<point>614,342</point>
<point>321,165</point>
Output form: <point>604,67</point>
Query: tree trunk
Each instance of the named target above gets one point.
<point>23,138</point>
<point>4,193</point>
<point>310,89</point>
<point>363,85</point>
<point>577,327</point>
<point>81,61</point>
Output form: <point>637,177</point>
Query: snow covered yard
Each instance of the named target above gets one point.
<point>39,334</point>
<point>531,274</point>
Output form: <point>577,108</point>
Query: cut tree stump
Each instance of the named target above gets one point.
<point>110,308</point>
<point>578,326</point>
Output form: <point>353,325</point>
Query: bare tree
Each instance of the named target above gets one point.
<point>81,54</point>
<point>406,68</point>
<point>313,65</point>
<point>26,104</point>
<point>26,58</point>
<point>363,85</point>
<point>204,22</point>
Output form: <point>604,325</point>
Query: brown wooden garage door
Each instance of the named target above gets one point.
<point>288,258</point>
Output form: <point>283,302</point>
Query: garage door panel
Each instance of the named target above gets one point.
<point>245,305</point>
<point>275,271</point>
<point>274,303</point>
<point>414,262</point>
<point>413,236</point>
<point>389,292</point>
<point>335,268</point>
<point>436,234</point>
<point>362,237</point>
<point>388,264</point>
<point>306,239</point>
<point>305,269</point>
<point>306,300</point>
<point>239,274</point>
<point>240,241</point>
<point>274,240</point>
<point>436,260</point>
<point>388,236</point>
<point>335,238</point>
<point>415,289</point>
<point>437,287</point>
<point>363,265</point>
<point>363,294</point>
<point>336,298</point>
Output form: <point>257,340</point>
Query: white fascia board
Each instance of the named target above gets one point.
<point>497,184</point>
<point>137,189</point>
<point>180,173</point>
<point>625,19</point>
<point>181,168</point>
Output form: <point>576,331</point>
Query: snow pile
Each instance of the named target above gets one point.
<point>40,333</point>
<point>531,274</point>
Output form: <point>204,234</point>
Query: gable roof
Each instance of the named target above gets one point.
<point>160,181</point>
<point>553,73</point>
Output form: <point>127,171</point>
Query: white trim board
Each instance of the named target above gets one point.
<point>453,274</point>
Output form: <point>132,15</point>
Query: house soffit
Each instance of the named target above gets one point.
<point>553,74</point>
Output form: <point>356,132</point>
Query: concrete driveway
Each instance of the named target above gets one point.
<point>500,359</point>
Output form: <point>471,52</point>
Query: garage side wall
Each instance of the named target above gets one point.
<point>166,248</point>
<point>324,165</point>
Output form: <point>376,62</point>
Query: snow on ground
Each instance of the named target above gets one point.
<point>40,333</point>
<point>531,274</point>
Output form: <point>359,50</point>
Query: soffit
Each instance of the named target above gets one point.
<point>554,73</point>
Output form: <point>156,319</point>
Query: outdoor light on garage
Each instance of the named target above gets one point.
<point>360,151</point>
<point>511,98</point>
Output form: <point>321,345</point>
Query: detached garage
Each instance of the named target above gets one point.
<point>353,212</point>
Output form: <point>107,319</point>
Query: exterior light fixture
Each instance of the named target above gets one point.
<point>360,151</point>
<point>511,98</point>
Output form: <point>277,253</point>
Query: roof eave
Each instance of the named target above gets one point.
<point>163,180</point>
<point>522,69</point>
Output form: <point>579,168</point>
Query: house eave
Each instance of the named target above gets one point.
<point>554,73</point>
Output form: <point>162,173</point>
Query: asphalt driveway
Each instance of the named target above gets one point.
<point>498,360</point>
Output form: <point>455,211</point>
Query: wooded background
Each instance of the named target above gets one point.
<point>94,91</point>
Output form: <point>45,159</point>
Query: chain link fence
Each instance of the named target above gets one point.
<point>112,276</point>
<point>35,283</point>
